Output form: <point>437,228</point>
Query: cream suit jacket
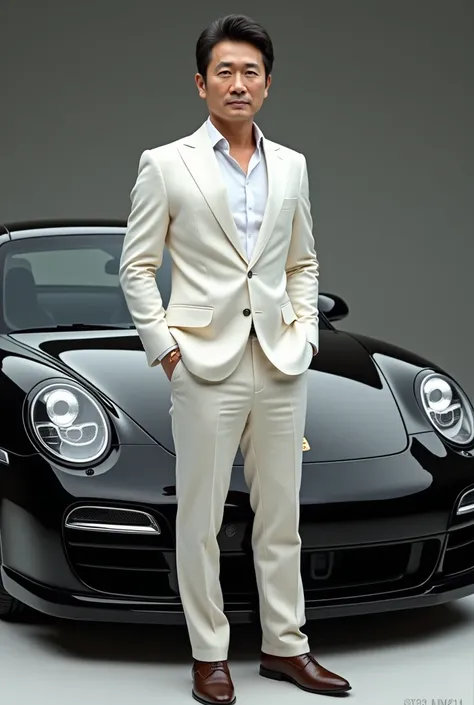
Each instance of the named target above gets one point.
<point>179,200</point>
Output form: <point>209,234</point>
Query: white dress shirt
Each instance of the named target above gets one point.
<point>247,192</point>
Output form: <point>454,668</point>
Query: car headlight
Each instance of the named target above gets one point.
<point>69,423</point>
<point>448,408</point>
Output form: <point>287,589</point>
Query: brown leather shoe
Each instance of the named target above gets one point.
<point>212,684</point>
<point>305,672</point>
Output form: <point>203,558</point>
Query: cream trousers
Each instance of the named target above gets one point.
<point>264,411</point>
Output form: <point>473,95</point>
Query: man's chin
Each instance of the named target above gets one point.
<point>243,114</point>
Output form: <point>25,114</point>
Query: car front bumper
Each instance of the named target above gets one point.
<point>377,535</point>
<point>87,607</point>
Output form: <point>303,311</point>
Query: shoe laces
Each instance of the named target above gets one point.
<point>218,665</point>
<point>310,659</point>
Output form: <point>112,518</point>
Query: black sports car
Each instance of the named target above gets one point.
<point>87,463</point>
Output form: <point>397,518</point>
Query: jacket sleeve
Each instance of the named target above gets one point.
<point>302,266</point>
<point>142,255</point>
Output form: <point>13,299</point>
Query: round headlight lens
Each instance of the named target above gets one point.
<point>62,407</point>
<point>69,423</point>
<point>448,408</point>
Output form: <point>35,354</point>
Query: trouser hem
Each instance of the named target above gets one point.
<point>210,655</point>
<point>286,651</point>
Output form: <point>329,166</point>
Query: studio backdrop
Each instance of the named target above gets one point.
<point>378,94</point>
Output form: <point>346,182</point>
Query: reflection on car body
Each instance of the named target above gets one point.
<point>87,461</point>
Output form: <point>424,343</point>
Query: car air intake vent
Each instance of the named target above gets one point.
<point>351,572</point>
<point>459,556</point>
<point>466,504</point>
<point>124,552</point>
<point>112,519</point>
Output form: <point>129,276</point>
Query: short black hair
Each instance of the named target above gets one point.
<point>237,28</point>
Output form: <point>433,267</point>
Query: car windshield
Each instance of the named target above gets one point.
<point>62,280</point>
<point>69,281</point>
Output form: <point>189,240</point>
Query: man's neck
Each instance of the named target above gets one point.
<point>239,135</point>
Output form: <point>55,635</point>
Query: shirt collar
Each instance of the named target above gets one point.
<point>219,140</point>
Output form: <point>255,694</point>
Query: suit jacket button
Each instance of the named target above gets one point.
<point>247,312</point>
<point>250,275</point>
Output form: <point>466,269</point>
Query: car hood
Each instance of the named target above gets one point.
<point>352,412</point>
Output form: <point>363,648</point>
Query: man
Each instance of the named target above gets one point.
<point>235,342</point>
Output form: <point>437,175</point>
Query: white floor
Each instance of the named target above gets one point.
<point>419,657</point>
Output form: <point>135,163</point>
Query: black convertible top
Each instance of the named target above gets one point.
<point>63,223</point>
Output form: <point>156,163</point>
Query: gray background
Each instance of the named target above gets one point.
<point>377,93</point>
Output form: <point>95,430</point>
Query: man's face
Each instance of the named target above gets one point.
<point>235,85</point>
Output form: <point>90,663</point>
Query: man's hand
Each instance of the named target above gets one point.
<point>170,361</point>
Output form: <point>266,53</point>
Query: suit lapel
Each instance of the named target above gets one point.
<point>276,193</point>
<point>198,155</point>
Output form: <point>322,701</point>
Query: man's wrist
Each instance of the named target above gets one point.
<point>166,352</point>
<point>174,355</point>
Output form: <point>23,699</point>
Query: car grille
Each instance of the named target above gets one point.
<point>141,563</point>
<point>344,572</point>
<point>121,552</point>
<point>459,555</point>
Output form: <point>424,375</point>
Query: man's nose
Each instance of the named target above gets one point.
<point>238,84</point>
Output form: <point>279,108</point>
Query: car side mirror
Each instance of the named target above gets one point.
<point>112,266</point>
<point>333,307</point>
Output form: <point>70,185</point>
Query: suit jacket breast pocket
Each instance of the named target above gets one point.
<point>289,204</point>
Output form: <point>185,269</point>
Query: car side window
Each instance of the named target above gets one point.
<point>70,267</point>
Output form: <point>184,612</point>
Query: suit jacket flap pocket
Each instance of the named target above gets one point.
<point>187,316</point>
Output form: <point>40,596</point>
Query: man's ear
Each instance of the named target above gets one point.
<point>269,81</point>
<point>201,85</point>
